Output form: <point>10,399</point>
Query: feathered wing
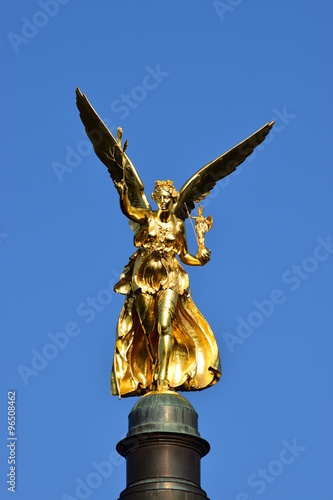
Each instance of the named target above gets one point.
<point>201,183</point>
<point>109,152</point>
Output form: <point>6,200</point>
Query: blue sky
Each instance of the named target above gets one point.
<point>186,81</point>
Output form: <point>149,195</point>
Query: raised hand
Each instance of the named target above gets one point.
<point>122,188</point>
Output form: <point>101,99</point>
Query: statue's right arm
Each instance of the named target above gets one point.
<point>138,215</point>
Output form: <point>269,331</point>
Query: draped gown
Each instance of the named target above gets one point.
<point>194,363</point>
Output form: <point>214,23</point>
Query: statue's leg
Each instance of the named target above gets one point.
<point>145,306</point>
<point>166,302</point>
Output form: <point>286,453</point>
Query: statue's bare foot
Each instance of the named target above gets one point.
<point>162,385</point>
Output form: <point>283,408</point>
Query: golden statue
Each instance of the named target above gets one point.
<point>163,342</point>
<point>202,226</point>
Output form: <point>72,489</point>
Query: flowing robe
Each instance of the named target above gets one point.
<point>194,363</point>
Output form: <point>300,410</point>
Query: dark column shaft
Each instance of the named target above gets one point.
<point>163,450</point>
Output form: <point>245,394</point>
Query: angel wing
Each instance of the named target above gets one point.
<point>201,183</point>
<point>110,153</point>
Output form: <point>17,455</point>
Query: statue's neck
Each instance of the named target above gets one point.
<point>164,216</point>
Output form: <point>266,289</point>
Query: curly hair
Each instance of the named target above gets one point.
<point>166,186</point>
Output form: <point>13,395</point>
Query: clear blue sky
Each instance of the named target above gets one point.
<point>186,81</point>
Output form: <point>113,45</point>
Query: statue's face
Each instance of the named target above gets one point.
<point>163,200</point>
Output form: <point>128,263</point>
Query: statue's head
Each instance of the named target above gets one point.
<point>200,209</point>
<point>165,194</point>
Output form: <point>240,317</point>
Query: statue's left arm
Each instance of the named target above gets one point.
<point>188,258</point>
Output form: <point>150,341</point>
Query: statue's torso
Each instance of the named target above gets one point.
<point>156,266</point>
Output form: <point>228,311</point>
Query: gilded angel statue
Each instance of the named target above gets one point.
<point>163,342</point>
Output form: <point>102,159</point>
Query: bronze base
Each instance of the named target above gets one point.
<point>163,449</point>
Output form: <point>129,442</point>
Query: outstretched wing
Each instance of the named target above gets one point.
<point>109,152</point>
<point>201,183</point>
